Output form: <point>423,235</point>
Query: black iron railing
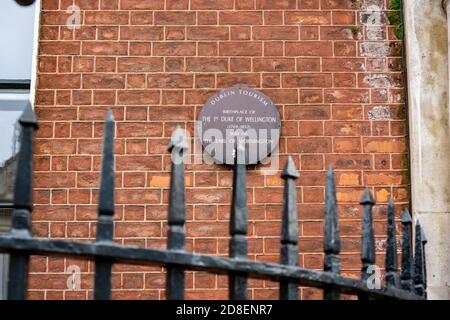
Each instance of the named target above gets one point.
<point>20,244</point>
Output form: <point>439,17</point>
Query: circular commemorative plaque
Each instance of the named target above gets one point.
<point>241,118</point>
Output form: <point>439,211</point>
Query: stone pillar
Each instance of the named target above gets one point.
<point>427,61</point>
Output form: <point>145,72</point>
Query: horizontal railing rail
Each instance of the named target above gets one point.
<point>409,284</point>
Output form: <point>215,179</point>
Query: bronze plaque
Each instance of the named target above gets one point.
<point>242,117</point>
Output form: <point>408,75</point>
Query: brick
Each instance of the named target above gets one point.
<point>273,48</point>
<point>174,49</point>
<point>54,180</point>
<point>130,229</point>
<point>275,33</point>
<point>344,17</point>
<point>207,33</point>
<point>105,48</point>
<point>175,33</point>
<point>347,128</point>
<point>346,96</point>
<point>170,81</point>
<point>240,18</point>
<point>174,18</point>
<point>349,162</point>
<point>141,17</point>
<point>308,17</point>
<point>240,64</point>
<point>104,81</point>
<point>211,4</point>
<point>140,5</point>
<point>306,80</point>
<point>106,17</point>
<point>273,18</point>
<point>337,4</point>
<point>337,33</point>
<point>60,81</point>
<point>311,112</point>
<point>308,145</point>
<point>241,33</point>
<point>139,97</point>
<point>347,64</point>
<point>105,64</point>
<point>50,146</point>
<point>384,178</point>
<point>309,33</point>
<point>319,48</point>
<point>347,145</point>
<point>384,145</point>
<point>308,64</point>
<point>273,64</point>
<point>141,33</point>
<point>240,49</point>
<point>276,4</point>
<point>177,4</point>
<point>137,129</point>
<point>230,80</point>
<point>207,18</point>
<point>142,64</point>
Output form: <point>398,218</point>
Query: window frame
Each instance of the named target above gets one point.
<point>25,85</point>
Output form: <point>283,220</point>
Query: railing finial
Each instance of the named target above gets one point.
<point>419,276</point>
<point>239,226</point>
<point>368,238</point>
<point>332,242</point>
<point>176,239</point>
<point>407,272</point>
<point>23,204</point>
<point>391,247</point>
<point>105,225</point>
<point>289,229</point>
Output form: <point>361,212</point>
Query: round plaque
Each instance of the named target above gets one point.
<point>239,118</point>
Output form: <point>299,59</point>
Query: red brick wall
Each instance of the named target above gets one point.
<point>155,63</point>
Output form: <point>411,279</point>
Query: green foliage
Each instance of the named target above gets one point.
<point>395,18</point>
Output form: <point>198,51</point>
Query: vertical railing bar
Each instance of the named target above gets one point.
<point>418,262</point>
<point>391,265</point>
<point>425,275</point>
<point>407,272</point>
<point>289,229</point>
<point>368,239</point>
<point>177,214</point>
<point>332,242</point>
<point>23,205</point>
<point>239,226</point>
<point>105,225</point>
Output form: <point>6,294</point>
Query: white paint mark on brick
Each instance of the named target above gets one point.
<point>378,81</point>
<point>379,113</point>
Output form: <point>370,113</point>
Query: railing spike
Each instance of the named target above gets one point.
<point>289,229</point>
<point>368,238</point>
<point>418,262</point>
<point>391,247</point>
<point>28,117</point>
<point>106,196</point>
<point>23,204</point>
<point>290,171</point>
<point>239,226</point>
<point>425,279</point>
<point>332,242</point>
<point>407,272</point>
<point>105,224</point>
<point>177,214</point>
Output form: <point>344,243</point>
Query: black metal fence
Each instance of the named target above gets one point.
<point>20,244</point>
